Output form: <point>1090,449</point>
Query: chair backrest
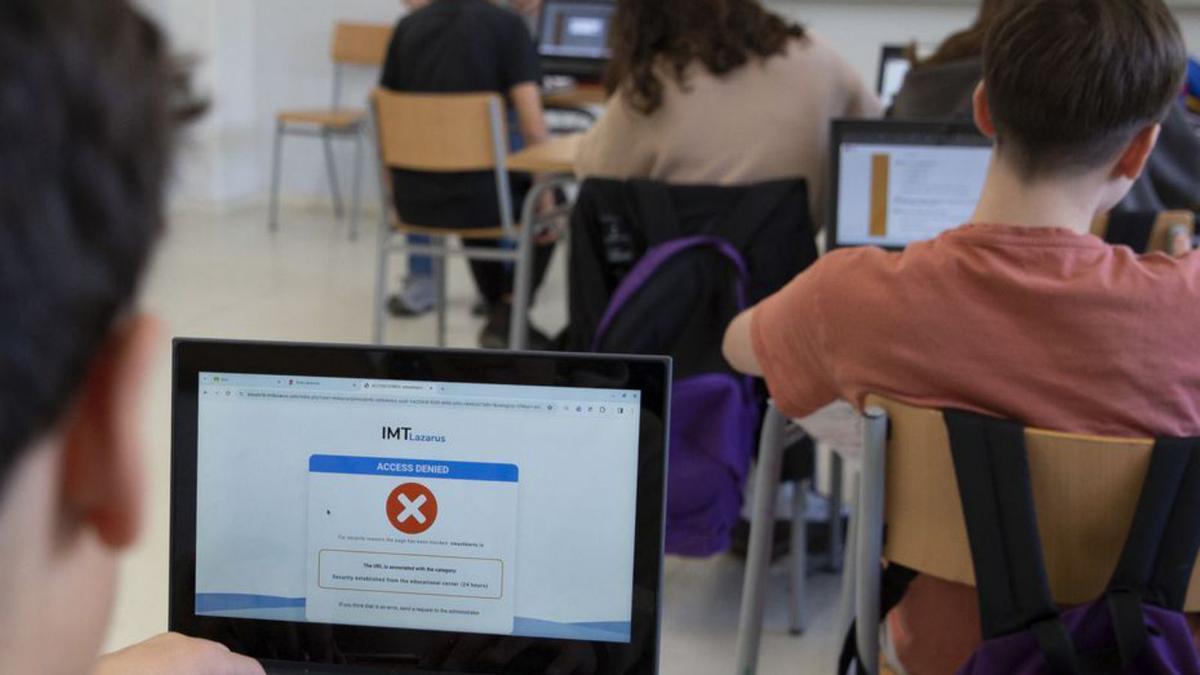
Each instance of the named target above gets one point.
<point>1085,487</point>
<point>440,132</point>
<point>360,44</point>
<point>1165,227</point>
<point>615,222</point>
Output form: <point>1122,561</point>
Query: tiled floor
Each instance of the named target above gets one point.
<point>226,276</point>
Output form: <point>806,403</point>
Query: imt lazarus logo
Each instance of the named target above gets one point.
<point>407,434</point>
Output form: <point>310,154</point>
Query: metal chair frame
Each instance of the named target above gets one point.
<point>393,239</point>
<point>355,130</point>
<point>758,560</point>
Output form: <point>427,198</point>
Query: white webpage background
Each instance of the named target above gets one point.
<point>576,513</point>
<point>931,189</point>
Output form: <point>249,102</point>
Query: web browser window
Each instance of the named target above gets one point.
<point>481,508</point>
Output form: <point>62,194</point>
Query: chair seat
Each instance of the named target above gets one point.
<point>330,119</point>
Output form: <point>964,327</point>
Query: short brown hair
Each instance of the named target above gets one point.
<point>1070,82</point>
<point>722,35</point>
<point>91,102</point>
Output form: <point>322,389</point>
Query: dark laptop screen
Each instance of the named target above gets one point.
<point>575,29</point>
<point>573,37</point>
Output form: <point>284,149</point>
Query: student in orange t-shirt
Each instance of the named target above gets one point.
<point>1020,313</point>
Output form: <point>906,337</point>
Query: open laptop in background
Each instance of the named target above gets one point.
<point>896,183</point>
<point>573,38</point>
<point>894,63</point>
<point>361,509</point>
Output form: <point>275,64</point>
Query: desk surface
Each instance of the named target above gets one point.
<point>554,156</point>
<point>578,96</point>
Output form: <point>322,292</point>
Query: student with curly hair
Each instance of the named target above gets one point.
<point>719,92</point>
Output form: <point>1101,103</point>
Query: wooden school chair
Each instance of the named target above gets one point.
<point>1085,488</point>
<point>354,45</point>
<point>452,133</point>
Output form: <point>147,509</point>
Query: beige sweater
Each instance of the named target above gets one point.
<point>767,121</point>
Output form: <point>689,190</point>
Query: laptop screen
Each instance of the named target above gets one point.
<point>894,64</point>
<point>476,508</point>
<point>896,183</point>
<point>575,29</point>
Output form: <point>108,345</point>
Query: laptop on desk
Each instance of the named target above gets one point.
<point>573,37</point>
<point>896,183</point>
<point>894,63</point>
<point>341,509</point>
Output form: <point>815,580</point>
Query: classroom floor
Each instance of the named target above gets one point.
<point>225,276</point>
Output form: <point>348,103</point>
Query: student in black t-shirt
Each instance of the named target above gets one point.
<point>451,46</point>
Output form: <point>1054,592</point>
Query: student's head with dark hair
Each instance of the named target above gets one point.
<point>653,39</point>
<point>89,104</point>
<point>1078,86</point>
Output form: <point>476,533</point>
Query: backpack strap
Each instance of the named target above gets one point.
<point>654,260</point>
<point>894,582</point>
<point>992,468</point>
<point>1156,564</point>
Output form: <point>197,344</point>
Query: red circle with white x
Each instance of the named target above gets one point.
<point>412,508</point>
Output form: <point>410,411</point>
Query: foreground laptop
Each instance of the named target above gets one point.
<point>896,183</point>
<point>360,509</point>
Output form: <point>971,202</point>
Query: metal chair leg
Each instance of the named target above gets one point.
<point>522,289</point>
<point>798,611</point>
<point>762,527</point>
<point>356,207</point>
<point>331,169</point>
<point>439,280</point>
<point>276,175</point>
<point>381,275</point>
<point>836,541</point>
<point>869,549</point>
<point>846,602</point>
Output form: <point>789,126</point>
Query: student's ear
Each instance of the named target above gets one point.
<point>1133,160</point>
<point>102,470</point>
<point>983,112</point>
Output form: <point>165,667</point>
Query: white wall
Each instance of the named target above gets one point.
<point>292,70</point>
<point>256,58</point>
<point>858,28</point>
<point>266,55</point>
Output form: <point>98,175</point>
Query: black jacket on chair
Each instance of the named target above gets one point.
<point>615,222</point>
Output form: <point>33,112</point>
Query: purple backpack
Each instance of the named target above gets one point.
<point>714,415</point>
<point>1137,626</point>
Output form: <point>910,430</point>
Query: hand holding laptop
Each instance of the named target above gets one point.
<point>179,655</point>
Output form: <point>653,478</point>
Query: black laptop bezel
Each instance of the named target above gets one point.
<point>582,68</point>
<point>940,133</point>
<point>649,375</point>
